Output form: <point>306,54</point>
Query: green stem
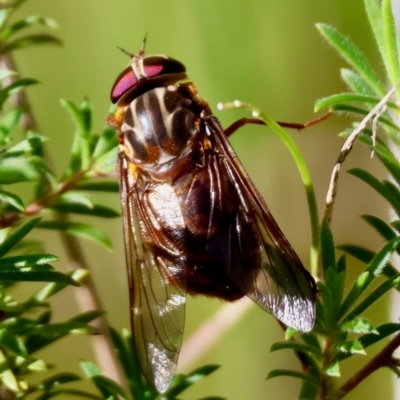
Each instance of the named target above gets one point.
<point>304,174</point>
<point>307,183</point>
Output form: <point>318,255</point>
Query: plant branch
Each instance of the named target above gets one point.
<point>346,149</point>
<point>86,295</point>
<point>382,359</point>
<point>28,120</point>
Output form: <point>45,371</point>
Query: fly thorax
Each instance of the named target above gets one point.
<point>158,125</point>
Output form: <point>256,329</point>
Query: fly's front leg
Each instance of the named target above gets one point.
<point>244,121</point>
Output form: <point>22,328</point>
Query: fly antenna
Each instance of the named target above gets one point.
<point>126,52</point>
<point>142,47</point>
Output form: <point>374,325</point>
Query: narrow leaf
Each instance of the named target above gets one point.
<point>14,170</point>
<point>295,346</point>
<point>76,208</point>
<point>27,22</point>
<point>99,186</point>
<point>11,199</point>
<point>390,36</point>
<point>327,247</point>
<point>17,236</point>
<point>191,378</point>
<point>341,98</point>
<point>30,40</point>
<point>351,347</point>
<point>380,226</point>
<point>358,325</point>
<point>79,229</point>
<point>378,186</point>
<point>12,342</point>
<point>353,56</point>
<point>27,260</point>
<point>294,374</point>
<point>355,82</point>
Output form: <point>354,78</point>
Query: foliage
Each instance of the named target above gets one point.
<point>341,330</point>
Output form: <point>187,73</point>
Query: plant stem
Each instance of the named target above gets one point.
<point>86,295</point>
<point>88,300</point>
<point>382,359</point>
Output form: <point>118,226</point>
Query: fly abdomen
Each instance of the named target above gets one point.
<point>157,126</point>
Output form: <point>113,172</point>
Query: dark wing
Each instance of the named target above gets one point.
<point>156,278</point>
<point>280,284</point>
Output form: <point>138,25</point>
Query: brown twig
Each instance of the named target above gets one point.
<point>382,359</point>
<point>346,149</point>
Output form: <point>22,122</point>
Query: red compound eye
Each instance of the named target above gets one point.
<point>153,70</point>
<point>125,81</point>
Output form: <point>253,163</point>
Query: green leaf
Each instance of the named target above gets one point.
<point>328,304</point>
<point>105,164</point>
<point>390,37</point>
<point>327,247</point>
<point>107,141</point>
<point>76,208</point>
<point>380,226</point>
<point>335,282</point>
<point>27,22</point>
<point>14,170</point>
<point>373,10</point>
<point>86,113</point>
<point>351,347</point>
<point>79,229</point>
<point>15,87</point>
<point>18,325</point>
<point>355,82</point>
<point>373,269</point>
<point>7,123</point>
<point>44,335</point>
<point>11,199</point>
<point>373,297</point>
<point>358,325</point>
<point>295,346</point>
<point>26,146</point>
<point>99,186</point>
<point>378,186</point>
<point>363,112</point>
<point>130,363</point>
<point>106,386</point>
<point>57,380</point>
<point>382,332</point>
<point>369,339</point>
<point>358,252</point>
<point>353,56</point>
<point>53,288</point>
<point>29,40</point>
<point>69,392</point>
<point>40,273</point>
<point>17,236</point>
<point>80,155</point>
<point>341,98</point>
<point>190,379</point>
<point>333,370</point>
<point>12,342</point>
<point>294,374</point>
<point>26,260</point>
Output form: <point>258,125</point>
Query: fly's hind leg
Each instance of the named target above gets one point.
<point>244,121</point>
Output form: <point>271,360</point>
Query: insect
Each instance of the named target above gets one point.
<point>193,220</point>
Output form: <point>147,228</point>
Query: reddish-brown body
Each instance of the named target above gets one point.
<point>193,221</point>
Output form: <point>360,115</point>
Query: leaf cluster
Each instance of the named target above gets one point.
<point>341,330</point>
<point>33,196</point>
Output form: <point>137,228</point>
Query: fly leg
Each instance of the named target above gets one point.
<point>244,121</point>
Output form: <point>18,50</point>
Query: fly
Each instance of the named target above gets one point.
<point>194,223</point>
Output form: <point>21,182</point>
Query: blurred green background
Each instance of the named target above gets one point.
<point>268,53</point>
